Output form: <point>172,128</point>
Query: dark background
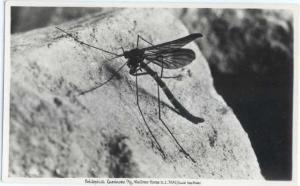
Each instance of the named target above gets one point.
<point>250,53</point>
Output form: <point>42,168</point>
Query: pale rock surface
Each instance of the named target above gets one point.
<point>56,133</point>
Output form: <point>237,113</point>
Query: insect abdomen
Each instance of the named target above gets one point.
<point>180,108</point>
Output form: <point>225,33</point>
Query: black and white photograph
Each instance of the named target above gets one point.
<point>149,92</point>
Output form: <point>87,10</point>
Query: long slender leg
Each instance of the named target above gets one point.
<point>140,74</point>
<point>143,40</point>
<point>137,101</point>
<point>165,125</point>
<point>162,67</point>
<point>165,77</point>
<point>137,41</point>
<point>159,109</point>
<point>159,116</point>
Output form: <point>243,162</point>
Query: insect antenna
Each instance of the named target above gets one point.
<point>111,77</point>
<point>86,44</point>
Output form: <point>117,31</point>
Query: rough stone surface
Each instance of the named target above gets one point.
<point>56,133</point>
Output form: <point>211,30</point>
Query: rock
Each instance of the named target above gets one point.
<point>101,133</point>
<point>250,53</point>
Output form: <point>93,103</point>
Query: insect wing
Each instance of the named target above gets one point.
<point>170,55</point>
<point>178,43</point>
<point>172,58</point>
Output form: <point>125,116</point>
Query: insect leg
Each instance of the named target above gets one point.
<point>144,40</point>
<point>121,49</point>
<point>162,66</point>
<point>165,125</point>
<point>165,77</point>
<point>137,101</point>
<point>137,41</point>
<point>162,69</point>
<point>140,74</point>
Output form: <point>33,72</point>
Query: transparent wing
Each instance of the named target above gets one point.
<point>172,58</point>
<point>178,43</point>
<point>170,54</point>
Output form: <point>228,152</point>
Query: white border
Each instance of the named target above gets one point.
<point>6,94</point>
<point>46,3</point>
<point>139,4</point>
<point>295,159</point>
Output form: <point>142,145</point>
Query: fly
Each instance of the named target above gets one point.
<point>169,55</point>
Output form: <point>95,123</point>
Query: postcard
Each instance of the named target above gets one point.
<point>149,93</point>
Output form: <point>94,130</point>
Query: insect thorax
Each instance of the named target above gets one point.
<point>134,53</point>
<point>134,56</point>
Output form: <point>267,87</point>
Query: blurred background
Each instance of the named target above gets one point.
<point>250,53</point>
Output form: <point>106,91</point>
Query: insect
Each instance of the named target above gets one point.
<point>169,55</point>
